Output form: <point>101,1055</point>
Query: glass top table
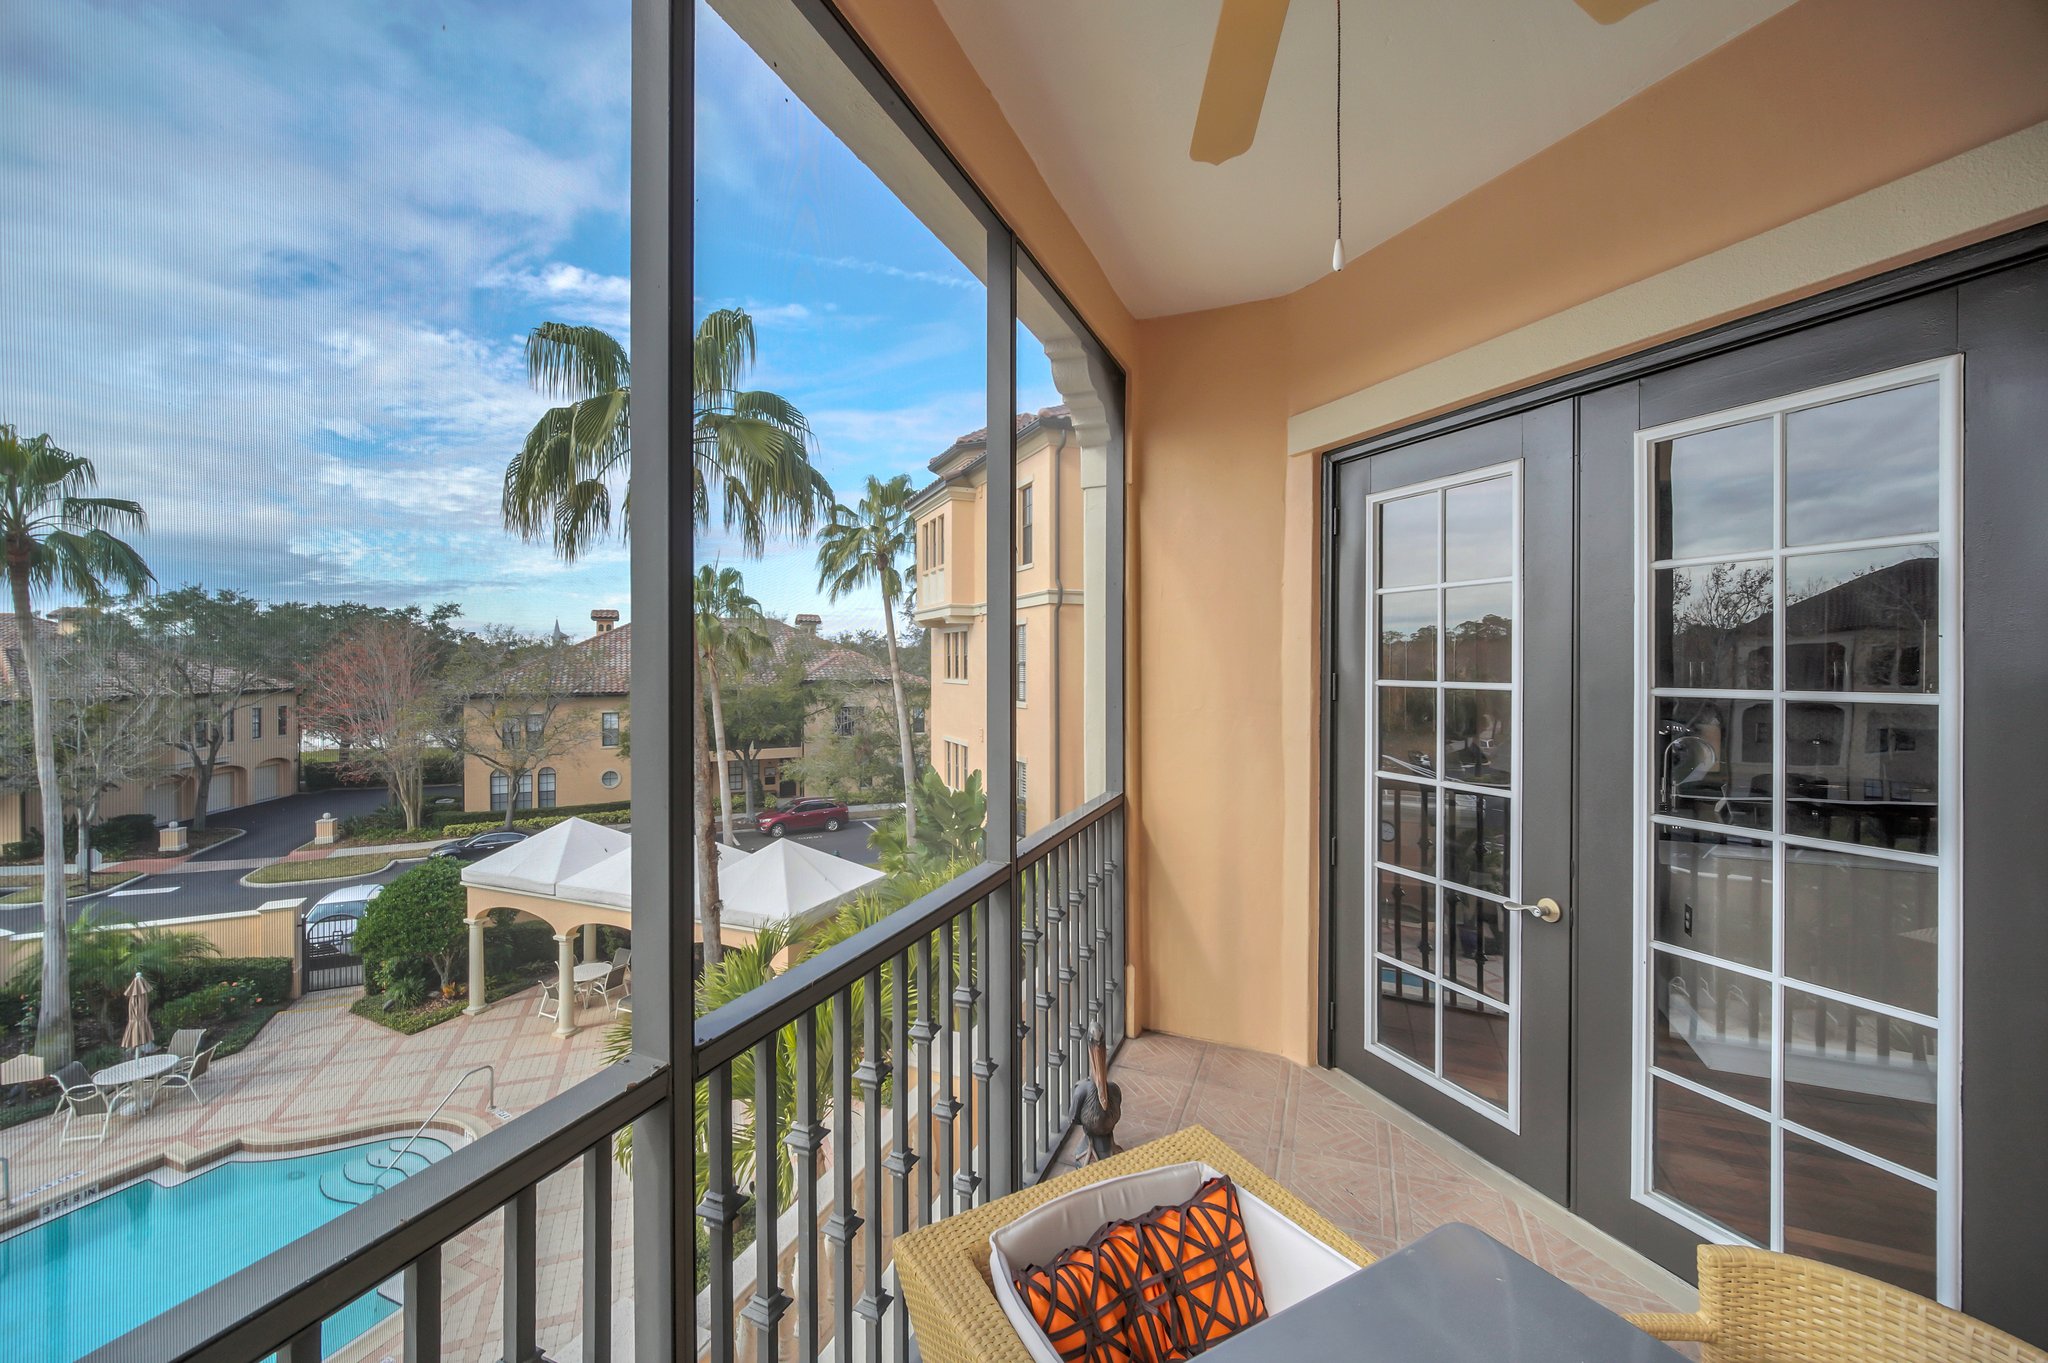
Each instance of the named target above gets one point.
<point>1456,1294</point>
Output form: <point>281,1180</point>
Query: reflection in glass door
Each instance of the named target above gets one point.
<point>1446,591</point>
<point>1797,765</point>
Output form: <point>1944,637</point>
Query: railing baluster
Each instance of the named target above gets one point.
<point>304,1347</point>
<point>422,1293</point>
<point>1098,933</point>
<point>806,1135</point>
<point>844,1226</point>
<point>874,1302</point>
<point>947,1104</point>
<point>903,1157</point>
<point>521,1273</point>
<point>966,992</point>
<point>764,1309</point>
<point>993,1015</point>
<point>719,1209</point>
<point>1053,919</point>
<point>597,1253</point>
<point>1035,944</point>
<point>922,1033</point>
<point>1119,941</point>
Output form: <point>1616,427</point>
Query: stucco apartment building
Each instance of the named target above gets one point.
<point>258,758</point>
<point>599,770</point>
<point>1058,651</point>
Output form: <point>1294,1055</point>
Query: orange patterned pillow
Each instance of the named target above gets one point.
<point>1200,1248</point>
<point>1097,1302</point>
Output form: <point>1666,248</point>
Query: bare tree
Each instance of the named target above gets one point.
<point>375,692</point>
<point>511,697</point>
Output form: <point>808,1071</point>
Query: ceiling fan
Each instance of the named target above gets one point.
<point>1241,66</point>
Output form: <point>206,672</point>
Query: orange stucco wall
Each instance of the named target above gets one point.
<point>1827,100</point>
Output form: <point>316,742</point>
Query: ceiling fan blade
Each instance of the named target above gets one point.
<point>1612,11</point>
<point>1234,91</point>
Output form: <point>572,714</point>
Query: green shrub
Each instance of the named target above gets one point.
<point>122,836</point>
<point>271,976</point>
<point>517,947</point>
<point>417,921</point>
<point>443,769</point>
<point>216,1003</point>
<point>537,823</point>
<point>28,848</point>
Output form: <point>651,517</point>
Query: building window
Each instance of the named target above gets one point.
<point>525,800</point>
<point>956,764</point>
<point>255,721</point>
<point>1024,520</point>
<point>955,644</point>
<point>1021,635</point>
<point>842,723</point>
<point>608,728</point>
<point>1020,799</point>
<point>282,726</point>
<point>917,722</point>
<point>501,786</point>
<point>231,726</point>
<point>534,725</point>
<point>547,787</point>
<point>610,780</point>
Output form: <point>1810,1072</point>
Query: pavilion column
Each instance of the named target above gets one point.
<point>589,943</point>
<point>476,968</point>
<point>565,962</point>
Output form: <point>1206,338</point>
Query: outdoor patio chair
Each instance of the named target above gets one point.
<point>185,1042</point>
<point>550,1003</point>
<point>186,1076</point>
<point>82,1101</point>
<point>622,958</point>
<point>611,988</point>
<point>1762,1307</point>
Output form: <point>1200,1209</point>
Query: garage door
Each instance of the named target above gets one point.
<point>163,802</point>
<point>263,783</point>
<point>221,795</point>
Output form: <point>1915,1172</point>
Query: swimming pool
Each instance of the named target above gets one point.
<point>77,1280</point>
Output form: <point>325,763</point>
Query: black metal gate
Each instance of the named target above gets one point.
<point>331,960</point>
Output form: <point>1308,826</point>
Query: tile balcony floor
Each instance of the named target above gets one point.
<point>1382,1177</point>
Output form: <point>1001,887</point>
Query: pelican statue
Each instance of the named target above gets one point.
<point>1097,1103</point>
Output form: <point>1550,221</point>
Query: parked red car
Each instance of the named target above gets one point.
<point>803,815</point>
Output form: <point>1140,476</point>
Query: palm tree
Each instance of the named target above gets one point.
<point>859,546</point>
<point>750,452</point>
<point>728,631</point>
<point>55,535</point>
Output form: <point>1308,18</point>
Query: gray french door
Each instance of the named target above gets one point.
<point>1451,766</point>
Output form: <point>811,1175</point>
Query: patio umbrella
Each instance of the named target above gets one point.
<point>138,1032</point>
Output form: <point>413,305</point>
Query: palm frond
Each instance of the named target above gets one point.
<point>564,361</point>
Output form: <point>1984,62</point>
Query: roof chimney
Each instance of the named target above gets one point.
<point>605,620</point>
<point>809,623</point>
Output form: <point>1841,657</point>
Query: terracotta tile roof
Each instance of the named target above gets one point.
<point>822,660</point>
<point>1026,423</point>
<point>601,665</point>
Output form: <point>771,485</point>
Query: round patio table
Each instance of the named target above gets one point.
<point>125,1080</point>
<point>592,970</point>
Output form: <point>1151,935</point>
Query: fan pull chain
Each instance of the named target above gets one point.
<point>1337,251</point>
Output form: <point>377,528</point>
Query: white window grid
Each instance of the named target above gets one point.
<point>1440,788</point>
<point>1945,376</point>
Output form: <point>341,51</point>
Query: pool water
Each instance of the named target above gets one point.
<point>88,1276</point>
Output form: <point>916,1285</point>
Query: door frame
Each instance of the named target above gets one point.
<point>1942,271</point>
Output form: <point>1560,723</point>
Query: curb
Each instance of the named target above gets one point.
<point>321,880</point>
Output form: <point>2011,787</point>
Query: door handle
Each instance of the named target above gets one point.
<point>1543,910</point>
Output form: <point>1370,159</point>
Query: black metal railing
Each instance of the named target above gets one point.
<point>278,1304</point>
<point>916,1069</point>
<point>929,1059</point>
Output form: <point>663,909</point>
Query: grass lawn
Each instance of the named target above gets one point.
<point>73,885</point>
<point>325,868</point>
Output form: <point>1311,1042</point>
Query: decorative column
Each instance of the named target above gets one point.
<point>476,967</point>
<point>565,962</point>
<point>589,943</point>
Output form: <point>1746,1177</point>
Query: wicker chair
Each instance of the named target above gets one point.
<point>1760,1307</point>
<point>943,1267</point>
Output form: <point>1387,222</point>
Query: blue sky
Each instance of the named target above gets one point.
<point>271,268</point>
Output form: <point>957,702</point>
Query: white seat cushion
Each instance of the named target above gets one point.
<point>1292,1264</point>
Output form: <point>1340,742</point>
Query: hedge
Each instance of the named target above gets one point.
<point>271,976</point>
<point>538,822</point>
